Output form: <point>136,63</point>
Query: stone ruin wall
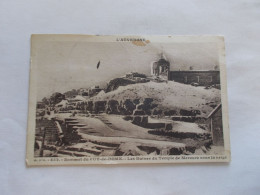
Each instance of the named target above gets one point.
<point>137,111</point>
<point>136,107</point>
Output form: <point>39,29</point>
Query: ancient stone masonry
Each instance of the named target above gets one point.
<point>112,107</point>
<point>129,106</point>
<point>139,117</point>
<point>125,107</point>
<point>211,77</point>
<point>99,106</point>
<point>135,107</point>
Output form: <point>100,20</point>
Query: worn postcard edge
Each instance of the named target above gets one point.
<point>36,39</point>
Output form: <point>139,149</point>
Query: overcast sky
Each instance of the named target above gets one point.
<point>63,66</point>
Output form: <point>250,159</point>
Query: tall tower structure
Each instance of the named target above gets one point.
<point>161,68</point>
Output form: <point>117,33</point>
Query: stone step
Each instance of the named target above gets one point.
<point>72,122</point>
<point>85,149</point>
<point>70,119</point>
<point>76,125</point>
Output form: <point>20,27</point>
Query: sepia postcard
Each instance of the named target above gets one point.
<point>127,100</point>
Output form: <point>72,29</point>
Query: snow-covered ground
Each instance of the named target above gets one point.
<point>105,129</point>
<point>105,134</point>
<point>169,95</point>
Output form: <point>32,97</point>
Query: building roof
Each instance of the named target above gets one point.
<point>163,61</point>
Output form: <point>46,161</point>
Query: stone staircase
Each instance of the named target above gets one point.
<point>91,147</point>
<point>106,122</point>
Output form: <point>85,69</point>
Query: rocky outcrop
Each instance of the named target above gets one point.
<point>115,83</point>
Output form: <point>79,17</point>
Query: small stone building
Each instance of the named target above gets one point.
<point>209,77</point>
<point>161,68</point>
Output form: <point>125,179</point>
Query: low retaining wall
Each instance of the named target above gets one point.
<point>188,118</point>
